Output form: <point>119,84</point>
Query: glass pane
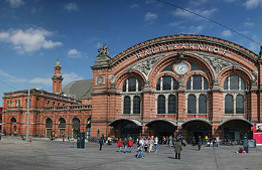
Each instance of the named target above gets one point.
<point>175,85</point>
<point>242,84</point>
<point>202,103</point>
<point>172,104</point>
<point>240,104</point>
<point>124,87</point>
<point>161,104</point>
<point>139,85</point>
<point>168,68</point>
<point>226,84</point>
<point>234,82</point>
<point>158,84</point>
<point>166,83</point>
<point>61,123</point>
<point>127,105</point>
<point>188,85</point>
<point>49,123</point>
<point>197,82</point>
<point>205,84</point>
<point>191,104</point>
<point>131,84</point>
<point>136,105</point>
<point>229,104</point>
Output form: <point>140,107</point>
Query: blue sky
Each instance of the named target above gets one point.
<point>34,33</point>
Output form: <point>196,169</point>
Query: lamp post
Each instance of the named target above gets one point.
<point>27,118</point>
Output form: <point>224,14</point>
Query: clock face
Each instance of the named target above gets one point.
<point>181,68</point>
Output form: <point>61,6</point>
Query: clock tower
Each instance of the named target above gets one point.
<point>57,78</point>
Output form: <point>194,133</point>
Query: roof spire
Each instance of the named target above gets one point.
<point>57,63</point>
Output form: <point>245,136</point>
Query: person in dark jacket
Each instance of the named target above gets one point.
<point>199,143</point>
<point>125,143</point>
<point>177,148</point>
<point>101,142</point>
<point>245,144</point>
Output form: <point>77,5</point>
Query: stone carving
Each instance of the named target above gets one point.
<point>103,50</point>
<point>146,65</point>
<point>217,63</point>
<point>254,78</point>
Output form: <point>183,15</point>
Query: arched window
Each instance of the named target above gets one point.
<point>48,123</point>
<point>171,104</point>
<point>132,84</point>
<point>167,83</point>
<point>76,123</point>
<point>13,120</point>
<point>127,105</point>
<point>191,104</point>
<point>234,83</point>
<point>197,82</point>
<point>136,105</point>
<point>240,104</point>
<point>61,123</point>
<point>229,104</point>
<point>202,104</point>
<point>161,104</point>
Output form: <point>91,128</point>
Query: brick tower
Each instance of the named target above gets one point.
<point>57,78</point>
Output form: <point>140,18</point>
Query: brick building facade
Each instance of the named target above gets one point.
<point>183,84</point>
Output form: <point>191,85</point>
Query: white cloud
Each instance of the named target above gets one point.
<point>226,33</point>
<point>248,24</point>
<point>15,3</point>
<point>149,16</point>
<point>205,13</point>
<point>71,7</point>
<point>134,6</point>
<point>29,40</point>
<point>4,74</point>
<point>249,4</point>
<point>196,29</point>
<point>18,80</point>
<point>74,53</point>
<point>69,77</point>
<point>175,24</point>
<point>41,81</point>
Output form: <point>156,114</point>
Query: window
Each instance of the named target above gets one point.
<point>61,123</point>
<point>229,104</point>
<point>49,123</point>
<point>171,104</point>
<point>161,104</point>
<point>191,104</point>
<point>127,103</point>
<point>197,82</point>
<point>234,89</point>
<point>202,104</point>
<point>167,83</point>
<point>136,105</point>
<point>240,104</point>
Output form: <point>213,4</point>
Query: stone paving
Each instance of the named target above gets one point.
<point>45,154</point>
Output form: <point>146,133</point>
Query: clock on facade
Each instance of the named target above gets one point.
<point>100,80</point>
<point>181,68</point>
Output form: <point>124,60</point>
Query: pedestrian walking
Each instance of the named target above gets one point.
<point>199,143</point>
<point>120,145</point>
<point>193,141</point>
<point>140,153</point>
<point>156,144</point>
<point>177,148</point>
<point>130,144</point>
<point>101,142</point>
<point>125,143</point>
<point>170,144</point>
<point>150,143</point>
<point>146,144</point>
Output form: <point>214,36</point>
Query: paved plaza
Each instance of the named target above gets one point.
<point>45,154</point>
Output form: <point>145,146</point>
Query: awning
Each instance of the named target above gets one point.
<point>232,119</point>
<point>115,122</point>
<point>161,120</point>
<point>197,120</point>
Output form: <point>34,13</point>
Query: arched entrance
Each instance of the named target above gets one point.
<point>75,127</point>
<point>124,128</point>
<point>48,127</point>
<point>61,127</point>
<point>235,129</point>
<point>13,126</point>
<point>161,128</point>
<point>195,128</point>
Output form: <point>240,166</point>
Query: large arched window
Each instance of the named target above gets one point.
<point>202,104</point>
<point>161,104</point>
<point>171,104</point>
<point>127,105</point>
<point>61,123</point>
<point>132,96</point>
<point>229,104</point>
<point>191,104</point>
<point>49,123</point>
<point>197,90</point>
<point>167,83</point>
<point>234,89</point>
<point>136,105</point>
<point>240,104</point>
